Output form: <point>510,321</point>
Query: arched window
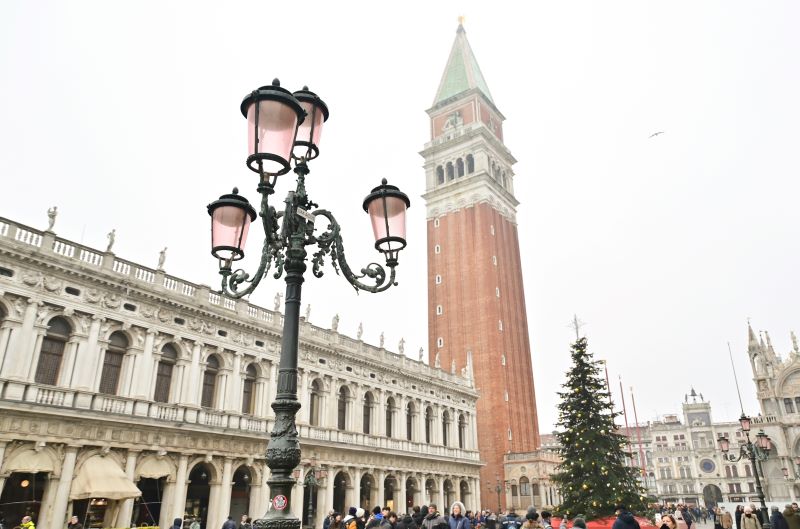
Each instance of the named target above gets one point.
<point>210,382</point>
<point>389,417</point>
<point>341,403</point>
<point>52,352</point>
<point>495,171</point>
<point>369,402</point>
<point>460,167</point>
<point>315,402</point>
<point>462,430</point>
<point>503,179</point>
<point>248,393</point>
<point>748,471</point>
<point>428,424</point>
<point>470,164</point>
<point>450,171</point>
<point>445,427</point>
<point>410,412</point>
<point>169,356</point>
<point>439,175</point>
<point>524,486</point>
<point>112,363</point>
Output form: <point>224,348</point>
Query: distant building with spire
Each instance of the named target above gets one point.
<point>476,302</point>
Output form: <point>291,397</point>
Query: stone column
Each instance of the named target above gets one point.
<point>260,388</point>
<point>421,422</point>
<point>441,499</point>
<point>380,477</point>
<point>21,346</point>
<point>143,369</point>
<point>224,502</point>
<point>327,498</point>
<point>297,501</point>
<point>215,518</point>
<point>234,400</point>
<point>357,473</point>
<point>179,494</point>
<point>325,405</point>
<point>400,503</point>
<point>379,413</point>
<point>45,509</point>
<point>189,393</point>
<point>59,516</point>
<point>126,509</point>
<point>90,358</point>
<point>133,355</point>
<point>303,416</point>
<point>2,456</point>
<point>5,334</point>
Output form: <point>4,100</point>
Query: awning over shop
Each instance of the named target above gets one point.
<point>101,477</point>
<point>29,461</point>
<point>153,467</point>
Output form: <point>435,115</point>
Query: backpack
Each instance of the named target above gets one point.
<point>351,524</point>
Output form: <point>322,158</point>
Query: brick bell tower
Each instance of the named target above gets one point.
<point>476,305</point>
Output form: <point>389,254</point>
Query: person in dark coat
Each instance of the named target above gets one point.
<point>776,519</point>
<point>406,522</point>
<point>625,519</point>
<point>791,517</point>
<point>74,523</point>
<point>738,516</point>
<point>227,524</point>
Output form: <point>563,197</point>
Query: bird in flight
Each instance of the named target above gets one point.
<point>656,133</point>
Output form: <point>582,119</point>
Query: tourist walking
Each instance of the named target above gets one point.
<point>749,520</point>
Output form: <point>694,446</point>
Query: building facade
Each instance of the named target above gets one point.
<point>132,397</point>
<point>684,464</point>
<point>477,319</point>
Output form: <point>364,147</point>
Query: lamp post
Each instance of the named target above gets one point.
<point>284,131</point>
<point>312,483</point>
<point>758,451</point>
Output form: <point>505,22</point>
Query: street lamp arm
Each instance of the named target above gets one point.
<point>271,251</point>
<point>330,243</point>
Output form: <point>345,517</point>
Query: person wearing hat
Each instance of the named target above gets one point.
<point>579,522</point>
<point>361,518</point>
<point>749,520</point>
<point>776,519</point>
<point>625,519</point>
<point>349,521</point>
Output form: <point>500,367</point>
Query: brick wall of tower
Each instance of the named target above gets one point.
<point>470,321</point>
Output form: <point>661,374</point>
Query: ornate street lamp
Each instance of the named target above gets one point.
<point>284,132</point>
<point>758,451</point>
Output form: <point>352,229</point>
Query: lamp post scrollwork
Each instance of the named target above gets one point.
<point>284,131</point>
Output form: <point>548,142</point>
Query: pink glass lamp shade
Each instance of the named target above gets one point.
<point>231,216</point>
<point>387,206</point>
<point>744,420</point>
<point>306,145</point>
<point>724,444</point>
<point>273,115</point>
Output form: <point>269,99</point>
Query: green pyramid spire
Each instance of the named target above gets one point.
<point>462,71</point>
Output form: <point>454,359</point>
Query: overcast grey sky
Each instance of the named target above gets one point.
<point>126,115</point>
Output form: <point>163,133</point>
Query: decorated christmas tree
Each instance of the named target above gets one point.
<point>593,477</point>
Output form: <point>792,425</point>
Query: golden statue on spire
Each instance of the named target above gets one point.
<point>461,21</point>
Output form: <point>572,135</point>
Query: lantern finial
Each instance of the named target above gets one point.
<point>305,87</point>
<point>384,181</point>
<point>276,82</point>
<point>235,190</point>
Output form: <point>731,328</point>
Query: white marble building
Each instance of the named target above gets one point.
<point>131,396</point>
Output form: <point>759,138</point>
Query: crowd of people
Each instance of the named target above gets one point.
<point>744,517</point>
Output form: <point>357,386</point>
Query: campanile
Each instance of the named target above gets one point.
<point>476,304</point>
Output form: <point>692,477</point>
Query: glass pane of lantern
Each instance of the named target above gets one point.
<point>277,123</point>
<point>229,227</point>
<point>304,130</point>
<point>396,212</point>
